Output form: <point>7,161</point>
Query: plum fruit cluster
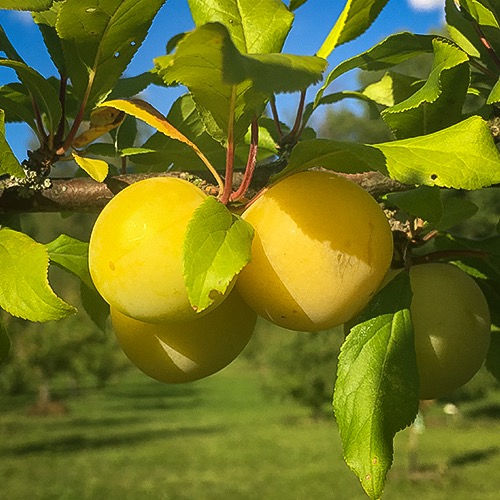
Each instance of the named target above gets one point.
<point>136,264</point>
<point>322,248</point>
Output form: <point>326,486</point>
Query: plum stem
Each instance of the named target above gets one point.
<point>251,162</point>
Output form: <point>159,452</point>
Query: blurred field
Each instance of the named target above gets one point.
<point>222,439</point>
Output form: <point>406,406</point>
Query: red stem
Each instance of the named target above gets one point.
<point>78,119</point>
<point>228,181</point>
<point>251,162</point>
<point>274,111</point>
<point>62,99</point>
<point>486,43</point>
<point>295,132</point>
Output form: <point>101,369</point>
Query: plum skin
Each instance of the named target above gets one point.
<point>136,245</point>
<point>176,353</point>
<point>452,327</point>
<point>321,249</point>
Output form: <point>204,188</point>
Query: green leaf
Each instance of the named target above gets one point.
<point>295,4</point>
<point>4,344</point>
<point>393,50</point>
<point>462,156</point>
<point>348,157</point>
<point>216,248</point>
<point>355,19</point>
<point>16,102</point>
<point>462,32</point>
<point>392,88</point>
<point>376,392</point>
<point>255,27</point>
<point>424,202</point>
<point>71,254</point>
<point>46,21</point>
<point>131,86</point>
<point>455,211</point>
<point>8,161</point>
<point>33,5</point>
<point>99,39</point>
<point>438,103</point>
<point>494,96</point>
<point>41,89</point>
<point>209,64</point>
<point>95,306</point>
<point>24,288</point>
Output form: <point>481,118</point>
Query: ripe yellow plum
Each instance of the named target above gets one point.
<point>452,327</point>
<point>184,352</point>
<point>135,251</point>
<point>321,249</point>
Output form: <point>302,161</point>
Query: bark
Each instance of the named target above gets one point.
<point>86,195</point>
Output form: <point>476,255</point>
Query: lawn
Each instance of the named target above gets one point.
<point>220,438</point>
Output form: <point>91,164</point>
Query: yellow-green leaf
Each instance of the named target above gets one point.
<point>354,20</point>
<point>24,287</point>
<point>150,115</point>
<point>97,169</point>
<point>102,120</point>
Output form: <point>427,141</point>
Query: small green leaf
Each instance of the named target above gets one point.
<point>255,27</point>
<point>455,211</point>
<point>95,306</point>
<point>393,50</point>
<point>376,392</point>
<point>392,88</point>
<point>71,254</point>
<point>4,344</point>
<point>438,103</point>
<point>16,102</point>
<point>32,5</point>
<point>347,157</point>
<point>216,248</point>
<point>424,202</point>
<point>494,96</point>
<point>24,288</point>
<point>295,4</point>
<point>8,161</point>
<point>43,92</point>
<point>355,19</point>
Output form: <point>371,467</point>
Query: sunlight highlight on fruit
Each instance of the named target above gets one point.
<point>188,351</point>
<point>322,247</point>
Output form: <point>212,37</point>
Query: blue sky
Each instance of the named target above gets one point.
<point>312,24</point>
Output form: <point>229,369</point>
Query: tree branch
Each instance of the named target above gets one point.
<point>83,194</point>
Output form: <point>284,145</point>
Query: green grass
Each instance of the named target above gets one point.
<point>221,439</point>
